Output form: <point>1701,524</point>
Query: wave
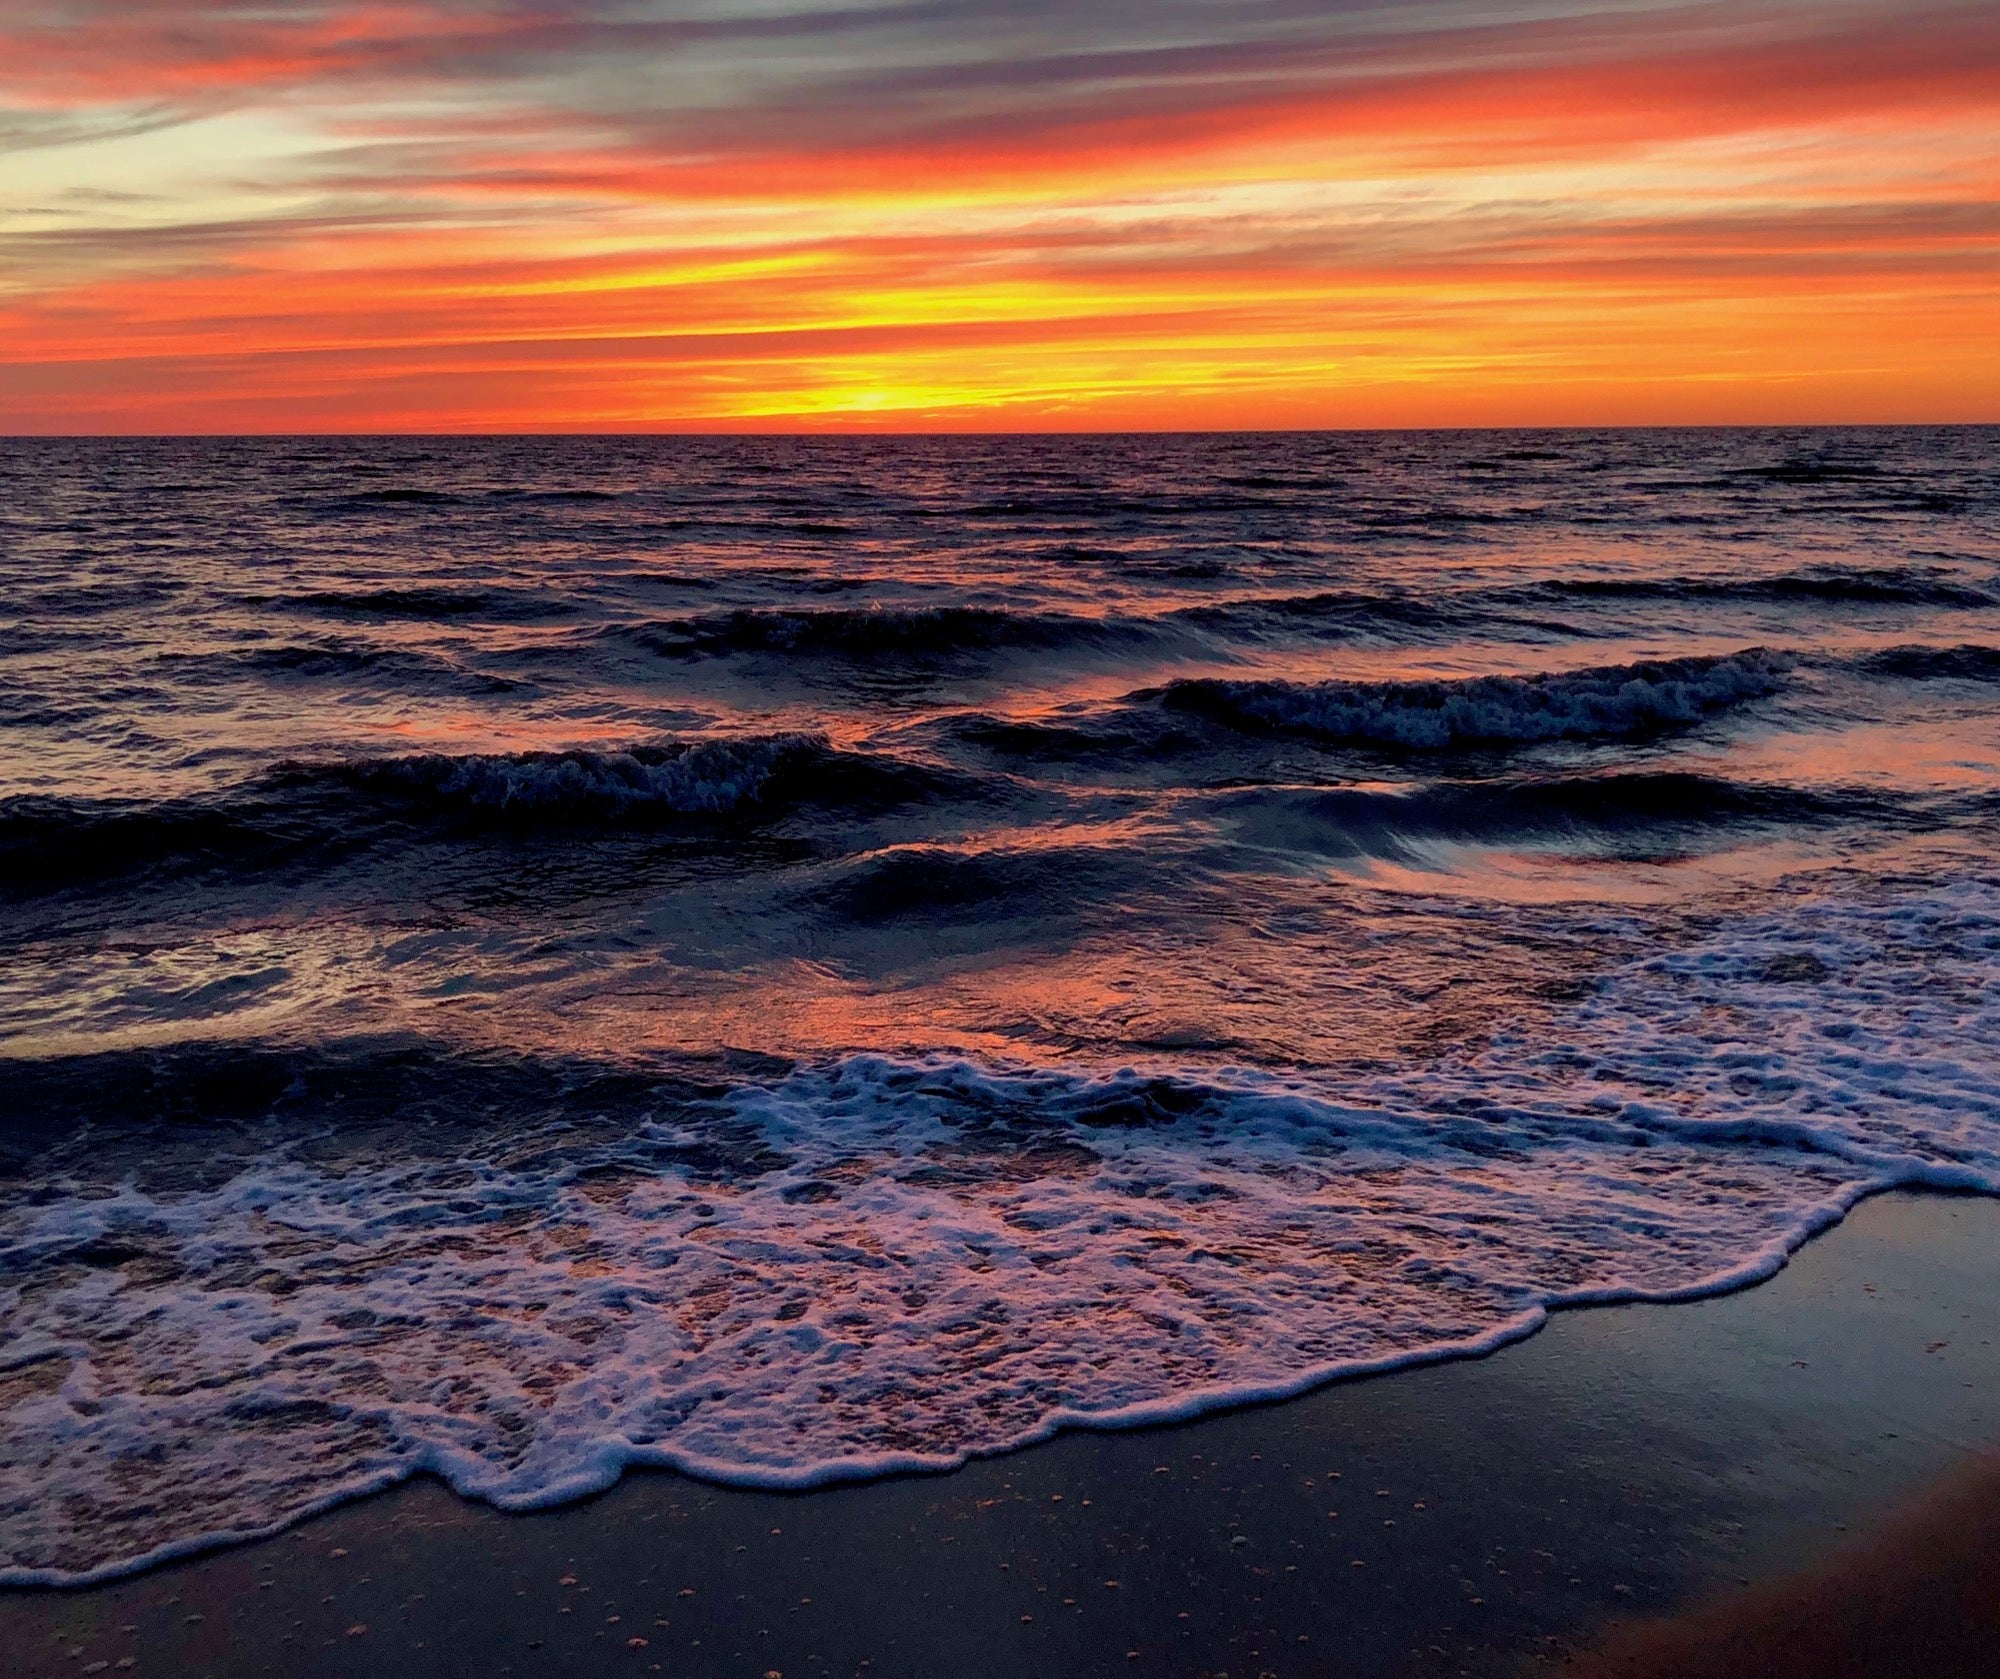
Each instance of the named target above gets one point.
<point>323,811</point>
<point>516,493</point>
<point>909,632</point>
<point>1124,737</point>
<point>1609,702</point>
<point>1618,809</point>
<point>1967,662</point>
<point>939,884</point>
<point>401,603</point>
<point>1348,612</point>
<point>50,844</point>
<point>707,778</point>
<point>1831,585</point>
<point>330,661</point>
<point>72,600</point>
<point>403,496</point>
<point>803,1273</point>
<point>744,777</point>
<point>1814,470</point>
<point>417,495</point>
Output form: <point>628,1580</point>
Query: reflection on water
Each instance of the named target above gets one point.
<point>795,958</point>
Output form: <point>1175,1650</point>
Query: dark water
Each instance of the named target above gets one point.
<point>793,959</point>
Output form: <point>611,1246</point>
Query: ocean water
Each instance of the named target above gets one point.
<point>793,959</point>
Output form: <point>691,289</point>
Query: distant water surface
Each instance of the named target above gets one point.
<point>794,959</point>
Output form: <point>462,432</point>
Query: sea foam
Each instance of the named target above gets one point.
<point>910,1261</point>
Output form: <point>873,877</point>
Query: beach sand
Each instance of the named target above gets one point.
<point>1918,1595</point>
<point>1672,1478</point>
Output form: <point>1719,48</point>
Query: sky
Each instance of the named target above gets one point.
<point>721,215</point>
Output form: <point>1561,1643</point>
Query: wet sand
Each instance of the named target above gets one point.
<point>1706,1469</point>
<point>1918,1595</point>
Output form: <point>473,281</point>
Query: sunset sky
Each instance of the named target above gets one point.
<point>256,215</point>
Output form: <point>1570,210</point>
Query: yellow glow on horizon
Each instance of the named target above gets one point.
<point>1675,239</point>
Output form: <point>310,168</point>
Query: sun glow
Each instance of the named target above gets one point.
<point>1608,215</point>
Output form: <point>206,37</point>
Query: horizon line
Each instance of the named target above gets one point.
<point>862,434</point>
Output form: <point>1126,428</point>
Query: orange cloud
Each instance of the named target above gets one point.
<point>471,217</point>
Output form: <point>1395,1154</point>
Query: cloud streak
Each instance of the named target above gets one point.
<point>711,213</point>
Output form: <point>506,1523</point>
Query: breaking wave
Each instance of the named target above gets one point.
<point>1611,702</point>
<point>365,1110</point>
<point>326,810</point>
<point>247,1304</point>
<point>706,778</point>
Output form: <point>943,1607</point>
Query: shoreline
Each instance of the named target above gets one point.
<point>1194,1407</point>
<point>1627,1460</point>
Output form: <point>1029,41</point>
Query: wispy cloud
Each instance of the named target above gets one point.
<point>1186,211</point>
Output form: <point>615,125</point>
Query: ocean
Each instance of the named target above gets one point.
<point>799,959</point>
